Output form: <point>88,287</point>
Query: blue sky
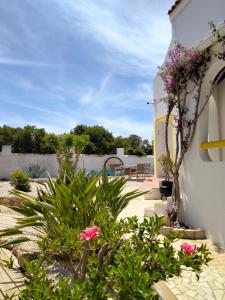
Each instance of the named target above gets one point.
<point>67,62</point>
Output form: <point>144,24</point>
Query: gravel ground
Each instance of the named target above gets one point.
<point>5,187</point>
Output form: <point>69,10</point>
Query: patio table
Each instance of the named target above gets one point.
<point>127,170</point>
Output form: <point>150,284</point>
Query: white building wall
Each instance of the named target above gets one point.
<point>202,180</point>
<point>190,25</point>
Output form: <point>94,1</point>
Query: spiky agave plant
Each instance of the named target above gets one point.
<point>35,171</point>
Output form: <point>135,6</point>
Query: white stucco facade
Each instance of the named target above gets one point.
<point>202,176</point>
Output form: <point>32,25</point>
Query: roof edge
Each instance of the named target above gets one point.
<point>177,2</point>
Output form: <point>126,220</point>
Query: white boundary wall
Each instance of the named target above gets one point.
<point>10,161</point>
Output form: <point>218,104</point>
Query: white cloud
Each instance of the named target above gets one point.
<point>125,40</point>
<point>108,95</point>
<point>133,33</point>
<point>19,62</point>
<point>95,96</point>
<point>88,97</point>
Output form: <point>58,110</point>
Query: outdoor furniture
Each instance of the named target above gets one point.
<point>143,170</point>
<point>125,170</point>
<point>148,169</point>
<point>113,169</point>
<point>133,170</point>
<point>140,170</point>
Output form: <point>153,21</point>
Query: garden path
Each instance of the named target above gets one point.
<point>11,280</point>
<point>211,285</point>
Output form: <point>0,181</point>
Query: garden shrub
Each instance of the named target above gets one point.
<point>35,171</point>
<point>20,180</point>
<point>119,261</point>
<point>76,219</point>
<point>165,163</point>
<point>65,207</point>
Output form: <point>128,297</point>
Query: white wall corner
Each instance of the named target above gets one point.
<point>6,149</point>
<point>120,152</point>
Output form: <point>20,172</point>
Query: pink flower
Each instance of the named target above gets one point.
<point>90,233</point>
<point>188,249</point>
<point>194,56</point>
<point>176,54</point>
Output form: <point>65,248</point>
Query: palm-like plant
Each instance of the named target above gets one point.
<point>64,207</point>
<point>112,195</point>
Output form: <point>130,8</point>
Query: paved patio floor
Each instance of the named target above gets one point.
<point>11,280</point>
<point>211,285</point>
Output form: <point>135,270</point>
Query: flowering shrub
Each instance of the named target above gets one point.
<point>89,233</point>
<point>171,213</point>
<point>121,261</point>
<point>182,65</point>
<point>188,249</point>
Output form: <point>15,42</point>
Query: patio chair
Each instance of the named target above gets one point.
<point>133,171</point>
<point>140,170</point>
<point>127,172</point>
<point>143,170</point>
<point>148,169</point>
<point>113,169</point>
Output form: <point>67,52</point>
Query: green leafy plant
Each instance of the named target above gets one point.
<point>39,287</point>
<point>7,262</point>
<point>111,265</point>
<point>68,148</point>
<point>65,207</point>
<point>220,39</point>
<point>20,180</point>
<point>165,163</point>
<point>80,142</point>
<point>76,218</point>
<point>35,171</point>
<point>7,297</point>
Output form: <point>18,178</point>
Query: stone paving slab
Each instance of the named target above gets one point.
<point>211,285</point>
<point>11,280</point>
<point>136,208</point>
<point>7,220</point>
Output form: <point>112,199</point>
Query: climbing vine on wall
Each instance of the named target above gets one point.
<point>183,75</point>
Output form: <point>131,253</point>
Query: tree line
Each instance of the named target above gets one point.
<point>31,139</point>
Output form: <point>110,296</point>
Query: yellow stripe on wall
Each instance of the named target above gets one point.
<point>161,118</point>
<point>213,144</point>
